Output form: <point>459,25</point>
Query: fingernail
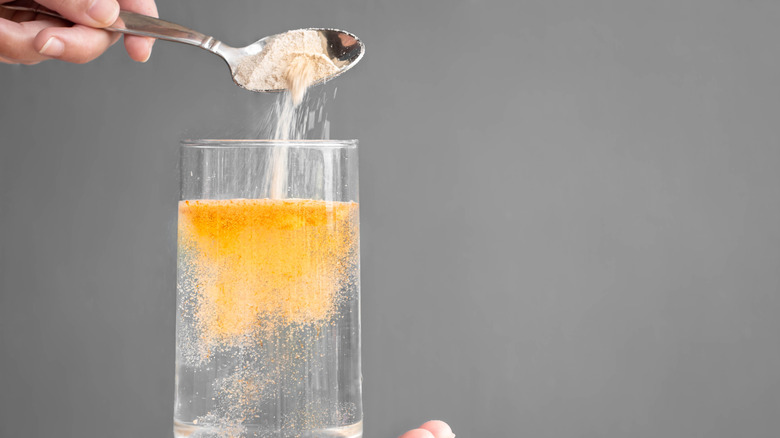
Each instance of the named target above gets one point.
<point>104,11</point>
<point>54,47</point>
<point>151,46</point>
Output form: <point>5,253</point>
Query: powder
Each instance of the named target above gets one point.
<point>259,263</point>
<point>289,61</point>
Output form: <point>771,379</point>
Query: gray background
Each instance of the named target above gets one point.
<point>570,216</point>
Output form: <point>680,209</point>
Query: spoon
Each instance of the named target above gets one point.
<point>343,48</point>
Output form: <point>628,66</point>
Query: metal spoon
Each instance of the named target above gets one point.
<point>343,48</point>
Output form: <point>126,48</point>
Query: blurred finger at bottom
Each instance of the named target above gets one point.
<point>417,433</point>
<point>438,428</point>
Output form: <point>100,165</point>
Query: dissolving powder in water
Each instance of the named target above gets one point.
<point>268,287</point>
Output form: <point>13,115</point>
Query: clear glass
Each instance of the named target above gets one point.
<point>268,290</point>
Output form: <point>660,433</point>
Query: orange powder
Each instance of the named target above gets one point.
<point>258,262</point>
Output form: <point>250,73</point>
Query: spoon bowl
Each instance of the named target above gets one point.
<point>343,48</point>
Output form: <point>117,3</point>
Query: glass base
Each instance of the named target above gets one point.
<point>189,430</point>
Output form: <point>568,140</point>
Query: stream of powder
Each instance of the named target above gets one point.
<point>291,61</point>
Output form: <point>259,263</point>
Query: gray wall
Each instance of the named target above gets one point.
<point>570,216</point>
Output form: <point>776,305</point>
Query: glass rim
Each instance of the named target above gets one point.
<point>236,143</point>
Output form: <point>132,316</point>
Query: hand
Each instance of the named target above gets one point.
<point>431,429</point>
<point>29,38</point>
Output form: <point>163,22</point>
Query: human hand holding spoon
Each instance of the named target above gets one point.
<point>343,48</point>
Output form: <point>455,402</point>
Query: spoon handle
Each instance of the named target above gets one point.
<point>134,24</point>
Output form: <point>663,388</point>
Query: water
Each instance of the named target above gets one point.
<point>268,320</point>
<point>300,382</point>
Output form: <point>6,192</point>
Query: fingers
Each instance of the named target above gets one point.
<point>439,429</point>
<point>94,13</point>
<point>139,48</point>
<point>17,40</point>
<point>28,38</point>
<point>77,44</point>
<point>430,429</point>
<point>35,38</point>
<point>417,433</point>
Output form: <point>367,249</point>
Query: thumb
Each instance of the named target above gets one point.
<point>93,13</point>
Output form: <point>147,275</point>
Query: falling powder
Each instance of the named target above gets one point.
<point>292,62</point>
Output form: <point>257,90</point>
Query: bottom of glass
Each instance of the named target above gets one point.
<point>189,430</point>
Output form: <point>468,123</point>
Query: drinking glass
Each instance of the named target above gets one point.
<point>268,290</point>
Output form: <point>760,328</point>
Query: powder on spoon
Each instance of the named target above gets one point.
<point>292,60</point>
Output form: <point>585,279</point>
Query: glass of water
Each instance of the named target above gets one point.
<point>268,290</point>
